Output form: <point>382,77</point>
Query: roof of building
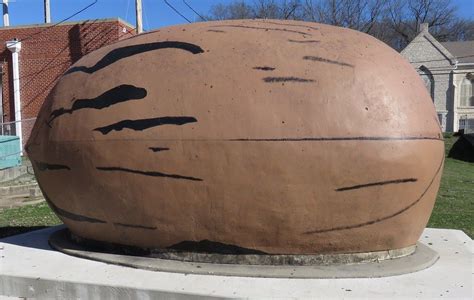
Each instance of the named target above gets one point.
<point>463,51</point>
<point>425,34</point>
<point>68,23</point>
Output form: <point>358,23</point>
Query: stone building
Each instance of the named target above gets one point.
<point>33,57</point>
<point>448,72</point>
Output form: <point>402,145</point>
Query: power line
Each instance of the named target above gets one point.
<point>126,11</point>
<point>48,28</point>
<point>146,16</point>
<point>176,11</point>
<point>58,23</point>
<point>189,6</point>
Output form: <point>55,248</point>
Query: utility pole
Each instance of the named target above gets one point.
<point>6,19</point>
<point>47,11</point>
<point>138,10</point>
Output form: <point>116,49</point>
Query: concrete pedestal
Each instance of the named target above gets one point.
<point>30,268</point>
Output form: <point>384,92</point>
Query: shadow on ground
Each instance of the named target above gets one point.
<point>13,230</point>
<point>463,149</point>
<point>33,237</point>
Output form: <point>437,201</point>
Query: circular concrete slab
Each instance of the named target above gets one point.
<point>422,258</point>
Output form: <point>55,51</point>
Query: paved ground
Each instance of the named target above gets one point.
<point>30,268</point>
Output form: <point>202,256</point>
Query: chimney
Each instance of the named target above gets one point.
<point>6,19</point>
<point>424,27</point>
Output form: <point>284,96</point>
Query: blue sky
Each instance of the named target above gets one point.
<point>155,13</point>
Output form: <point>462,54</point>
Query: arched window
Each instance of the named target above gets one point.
<point>467,98</point>
<point>428,79</point>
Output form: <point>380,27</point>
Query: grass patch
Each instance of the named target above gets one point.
<point>22,219</point>
<point>30,215</point>
<point>454,206</point>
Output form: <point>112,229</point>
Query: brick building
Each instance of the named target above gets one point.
<point>44,54</point>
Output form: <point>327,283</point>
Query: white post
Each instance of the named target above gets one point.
<point>138,11</point>
<point>15,47</point>
<point>47,12</point>
<point>6,19</point>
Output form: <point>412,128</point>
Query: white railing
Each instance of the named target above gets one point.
<point>9,128</point>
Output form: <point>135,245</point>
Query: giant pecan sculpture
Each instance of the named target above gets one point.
<point>278,136</point>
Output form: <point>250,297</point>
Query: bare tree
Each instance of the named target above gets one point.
<point>361,15</point>
<point>291,9</point>
<point>273,9</point>
<point>395,22</point>
<point>266,9</point>
<point>261,9</point>
<point>406,16</point>
<point>234,10</point>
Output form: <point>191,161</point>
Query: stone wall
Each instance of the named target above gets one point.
<point>425,57</point>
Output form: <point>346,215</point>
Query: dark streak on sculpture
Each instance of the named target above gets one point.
<point>286,24</point>
<point>379,183</point>
<point>135,226</point>
<point>158,149</point>
<point>206,246</point>
<point>147,173</point>
<point>286,79</point>
<point>215,30</point>
<point>119,94</point>
<point>42,166</point>
<point>69,215</point>
<point>303,42</point>
<point>124,52</point>
<point>325,60</point>
<point>264,68</point>
<point>145,123</point>
<point>378,220</point>
<point>264,28</point>
<point>72,216</point>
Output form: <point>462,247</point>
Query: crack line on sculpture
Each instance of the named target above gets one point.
<point>379,183</point>
<point>116,95</point>
<point>148,173</point>
<point>307,139</point>
<point>143,124</point>
<point>383,218</point>
<point>347,138</point>
<point>127,51</point>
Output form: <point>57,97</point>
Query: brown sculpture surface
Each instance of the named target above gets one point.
<point>277,136</point>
